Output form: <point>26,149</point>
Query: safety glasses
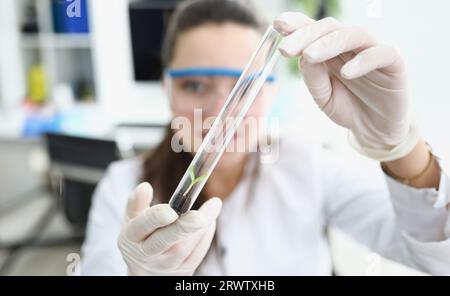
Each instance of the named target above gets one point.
<point>201,88</point>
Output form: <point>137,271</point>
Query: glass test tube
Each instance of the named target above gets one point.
<point>222,131</point>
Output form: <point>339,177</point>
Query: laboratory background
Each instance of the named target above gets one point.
<point>80,91</point>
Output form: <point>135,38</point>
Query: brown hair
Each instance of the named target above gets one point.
<point>163,167</point>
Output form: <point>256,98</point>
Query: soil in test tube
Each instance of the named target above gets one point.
<point>183,198</point>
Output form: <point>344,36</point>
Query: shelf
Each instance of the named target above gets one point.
<point>67,58</point>
<point>57,40</point>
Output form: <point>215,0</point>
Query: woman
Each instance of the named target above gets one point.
<point>275,216</point>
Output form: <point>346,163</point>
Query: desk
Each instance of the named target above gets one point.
<point>26,159</point>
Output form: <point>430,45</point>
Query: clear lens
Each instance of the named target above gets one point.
<point>198,92</point>
<point>230,117</point>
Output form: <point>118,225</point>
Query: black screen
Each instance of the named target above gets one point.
<point>148,22</point>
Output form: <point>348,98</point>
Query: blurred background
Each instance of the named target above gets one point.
<point>80,91</point>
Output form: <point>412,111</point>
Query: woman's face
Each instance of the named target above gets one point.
<point>215,46</point>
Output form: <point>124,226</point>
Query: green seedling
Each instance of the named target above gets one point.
<point>194,180</point>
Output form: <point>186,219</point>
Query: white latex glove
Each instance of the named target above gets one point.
<point>359,83</point>
<point>155,241</point>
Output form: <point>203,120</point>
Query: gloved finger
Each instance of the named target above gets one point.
<point>148,221</point>
<point>288,22</point>
<point>163,238</point>
<point>186,225</point>
<point>179,251</point>
<point>211,208</point>
<point>317,79</point>
<point>378,57</point>
<point>202,243</point>
<point>139,200</point>
<point>295,43</point>
<point>183,248</point>
<point>329,93</point>
<point>199,251</point>
<point>337,43</point>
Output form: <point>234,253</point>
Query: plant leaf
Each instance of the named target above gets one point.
<point>191,173</point>
<point>188,189</point>
<point>199,179</point>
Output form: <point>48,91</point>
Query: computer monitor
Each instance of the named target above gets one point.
<point>148,22</point>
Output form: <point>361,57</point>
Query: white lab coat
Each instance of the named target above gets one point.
<point>277,224</point>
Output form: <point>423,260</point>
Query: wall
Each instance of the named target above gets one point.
<point>12,83</point>
<point>420,30</point>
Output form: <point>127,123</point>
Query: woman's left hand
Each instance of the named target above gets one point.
<point>358,82</point>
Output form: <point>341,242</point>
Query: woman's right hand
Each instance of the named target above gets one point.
<point>156,241</point>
